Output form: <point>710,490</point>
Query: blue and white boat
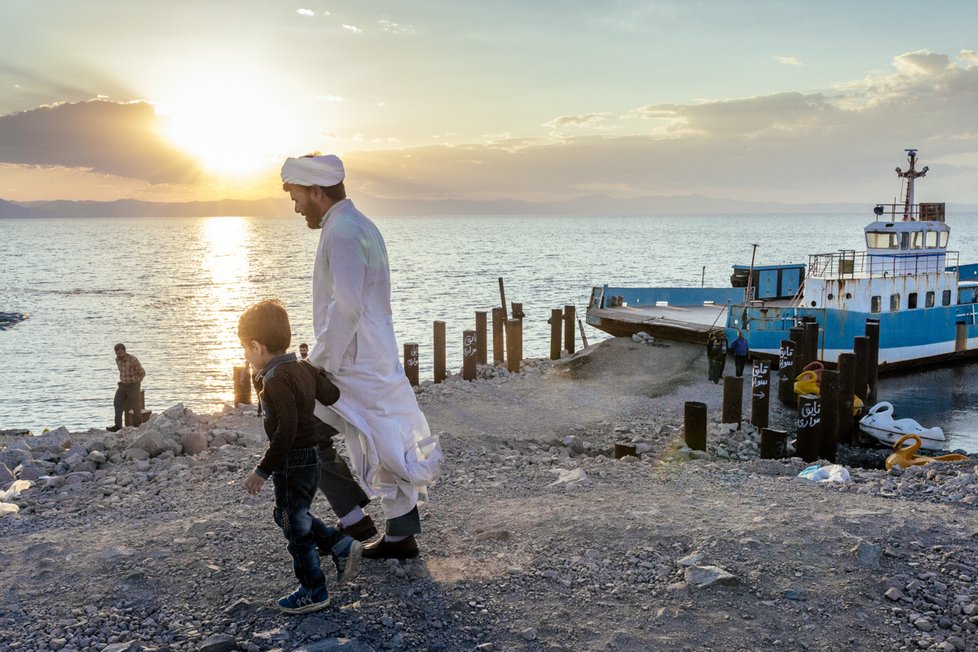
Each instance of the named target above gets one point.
<point>907,279</point>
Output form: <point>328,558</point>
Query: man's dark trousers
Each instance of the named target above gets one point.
<point>127,395</point>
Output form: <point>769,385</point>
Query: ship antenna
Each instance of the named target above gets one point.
<point>910,175</point>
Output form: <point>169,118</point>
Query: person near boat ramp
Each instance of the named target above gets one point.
<point>740,350</point>
<point>716,353</point>
<point>391,447</point>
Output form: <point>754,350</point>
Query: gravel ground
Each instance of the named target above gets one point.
<point>534,539</point>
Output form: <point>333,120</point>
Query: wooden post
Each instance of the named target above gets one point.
<point>774,444</point>
<point>797,335</point>
<point>518,311</point>
<point>847,388</point>
<point>694,428</point>
<point>502,296</point>
<point>136,413</point>
<point>556,318</point>
<point>242,385</point>
<point>873,333</point>
<point>480,335</point>
<point>439,351</point>
<point>583,336</point>
<point>786,374</point>
<point>811,341</point>
<point>809,419</point>
<point>470,355</point>
<point>514,344</point>
<point>860,348</point>
<point>760,397</point>
<point>498,326</point>
<point>570,316</point>
<point>733,400</point>
<point>411,363</point>
<point>828,442</point>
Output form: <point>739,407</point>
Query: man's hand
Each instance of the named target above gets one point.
<point>253,483</point>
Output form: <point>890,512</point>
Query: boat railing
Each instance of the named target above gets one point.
<point>852,264</point>
<point>923,212</point>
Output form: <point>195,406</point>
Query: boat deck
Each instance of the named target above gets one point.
<point>683,323</point>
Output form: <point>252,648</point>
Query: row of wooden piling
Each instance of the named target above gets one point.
<point>507,342</point>
<point>823,420</point>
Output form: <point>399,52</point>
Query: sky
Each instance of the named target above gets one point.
<point>779,101</point>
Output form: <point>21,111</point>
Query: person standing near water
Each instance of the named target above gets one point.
<point>131,375</point>
<point>391,447</point>
<point>716,353</point>
<point>740,350</point>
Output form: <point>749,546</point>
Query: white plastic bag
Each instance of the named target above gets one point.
<point>830,473</point>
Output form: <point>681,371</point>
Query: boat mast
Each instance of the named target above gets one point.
<point>910,175</point>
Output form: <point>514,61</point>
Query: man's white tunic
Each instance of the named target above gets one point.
<point>391,446</point>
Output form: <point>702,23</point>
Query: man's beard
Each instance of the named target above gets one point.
<point>313,222</point>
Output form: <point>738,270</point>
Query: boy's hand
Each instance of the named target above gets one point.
<point>253,483</point>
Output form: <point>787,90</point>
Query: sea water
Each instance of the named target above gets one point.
<point>171,289</point>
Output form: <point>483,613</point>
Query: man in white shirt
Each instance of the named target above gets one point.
<point>391,447</point>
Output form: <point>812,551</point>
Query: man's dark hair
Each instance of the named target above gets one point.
<point>120,347</point>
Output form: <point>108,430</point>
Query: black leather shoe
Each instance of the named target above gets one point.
<point>362,530</point>
<point>114,428</point>
<point>384,549</point>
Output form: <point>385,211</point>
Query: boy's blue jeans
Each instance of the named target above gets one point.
<point>295,487</point>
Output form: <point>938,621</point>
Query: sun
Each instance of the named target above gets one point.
<point>228,124</point>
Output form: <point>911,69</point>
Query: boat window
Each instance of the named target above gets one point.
<point>894,302</point>
<point>943,239</point>
<point>946,298</point>
<point>881,240</point>
<point>904,240</point>
<point>917,240</point>
<point>932,239</point>
<point>912,300</point>
<point>875,303</point>
<point>929,300</point>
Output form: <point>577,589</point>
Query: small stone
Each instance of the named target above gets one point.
<point>923,624</point>
<point>893,593</point>
<point>530,634</point>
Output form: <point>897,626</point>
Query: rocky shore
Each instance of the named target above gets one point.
<point>536,538</point>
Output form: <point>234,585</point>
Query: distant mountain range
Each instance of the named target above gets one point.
<point>281,207</point>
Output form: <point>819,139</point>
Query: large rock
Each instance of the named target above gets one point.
<point>11,458</point>
<point>6,477</point>
<point>55,440</point>
<point>156,442</point>
<point>34,469</point>
<point>193,443</point>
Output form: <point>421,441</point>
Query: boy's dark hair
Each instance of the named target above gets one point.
<point>266,322</point>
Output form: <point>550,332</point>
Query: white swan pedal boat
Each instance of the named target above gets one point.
<point>880,425</point>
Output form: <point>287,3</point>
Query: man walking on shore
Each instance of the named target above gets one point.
<point>390,444</point>
<point>131,375</point>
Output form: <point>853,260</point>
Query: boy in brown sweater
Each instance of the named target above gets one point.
<point>289,392</point>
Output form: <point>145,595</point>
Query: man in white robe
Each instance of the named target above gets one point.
<point>391,447</point>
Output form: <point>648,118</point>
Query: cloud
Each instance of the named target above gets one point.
<point>788,61</point>
<point>121,139</point>
<point>329,98</point>
<point>353,28</point>
<point>583,120</point>
<point>305,12</point>
<point>394,28</point>
<point>799,147</point>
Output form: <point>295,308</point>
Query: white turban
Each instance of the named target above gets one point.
<point>322,171</point>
